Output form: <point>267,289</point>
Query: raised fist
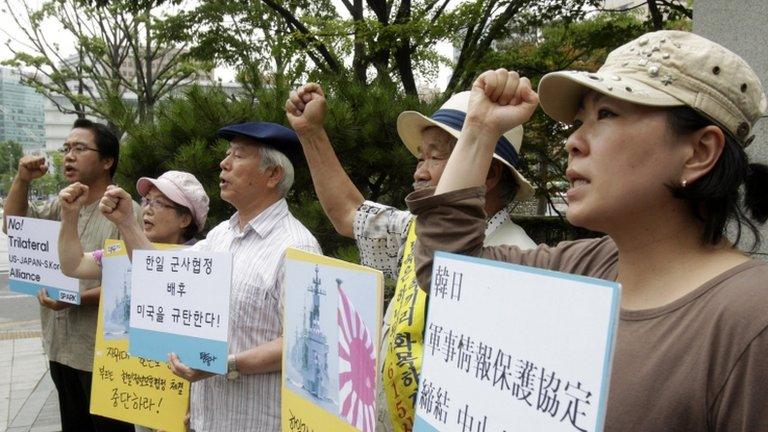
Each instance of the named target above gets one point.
<point>73,197</point>
<point>306,108</point>
<point>32,167</point>
<point>116,205</point>
<point>501,100</point>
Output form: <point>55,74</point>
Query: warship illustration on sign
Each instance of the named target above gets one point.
<point>117,315</point>
<point>309,354</point>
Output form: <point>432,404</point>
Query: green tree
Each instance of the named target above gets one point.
<point>118,52</point>
<point>385,41</point>
<point>660,12</point>
<point>182,137</point>
<point>362,113</point>
<point>10,153</point>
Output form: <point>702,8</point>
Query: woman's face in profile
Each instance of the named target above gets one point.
<point>621,157</point>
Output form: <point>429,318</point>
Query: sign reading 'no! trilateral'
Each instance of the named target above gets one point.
<point>33,254</point>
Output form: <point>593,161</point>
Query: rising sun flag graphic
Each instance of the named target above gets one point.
<point>357,367</point>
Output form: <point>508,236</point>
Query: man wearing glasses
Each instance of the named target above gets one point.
<point>90,157</point>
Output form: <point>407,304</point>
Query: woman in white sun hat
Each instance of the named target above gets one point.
<point>656,160</point>
<point>174,207</point>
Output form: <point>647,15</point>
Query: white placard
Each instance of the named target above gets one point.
<point>509,347</point>
<point>33,255</point>
<point>180,304</point>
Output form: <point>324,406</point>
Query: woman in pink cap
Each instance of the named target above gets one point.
<point>657,161</point>
<point>174,208</point>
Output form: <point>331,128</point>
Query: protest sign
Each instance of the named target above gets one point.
<point>331,331</point>
<point>132,389</point>
<point>180,304</point>
<point>509,347</point>
<point>33,255</point>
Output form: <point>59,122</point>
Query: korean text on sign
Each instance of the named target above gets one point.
<point>533,351</point>
<point>180,304</point>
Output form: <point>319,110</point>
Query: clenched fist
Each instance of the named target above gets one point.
<point>501,100</point>
<point>73,197</point>
<point>306,108</point>
<point>32,167</point>
<point>116,205</point>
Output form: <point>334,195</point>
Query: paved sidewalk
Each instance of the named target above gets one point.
<point>28,399</point>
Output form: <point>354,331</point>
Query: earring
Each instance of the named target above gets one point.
<point>684,183</point>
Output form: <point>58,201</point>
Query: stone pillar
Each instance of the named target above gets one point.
<point>742,27</point>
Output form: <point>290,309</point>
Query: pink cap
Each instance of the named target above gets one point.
<point>183,189</point>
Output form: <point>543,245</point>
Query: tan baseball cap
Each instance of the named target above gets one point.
<point>667,68</point>
<point>450,118</point>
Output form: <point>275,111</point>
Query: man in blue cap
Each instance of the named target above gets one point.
<point>385,235</point>
<point>256,174</point>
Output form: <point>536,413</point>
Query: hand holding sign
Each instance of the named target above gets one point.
<point>116,206</point>
<point>50,303</point>
<point>73,197</point>
<point>183,371</point>
<point>32,167</point>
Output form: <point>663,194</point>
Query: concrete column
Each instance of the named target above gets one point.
<point>742,27</point>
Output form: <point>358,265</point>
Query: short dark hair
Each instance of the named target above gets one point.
<point>190,230</point>
<point>106,141</point>
<point>714,198</point>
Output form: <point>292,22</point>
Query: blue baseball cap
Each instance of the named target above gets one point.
<point>272,134</point>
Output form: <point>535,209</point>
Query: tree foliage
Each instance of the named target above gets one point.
<point>660,12</point>
<point>370,41</point>
<point>182,137</point>
<point>365,54</point>
<point>119,55</point>
<point>10,153</point>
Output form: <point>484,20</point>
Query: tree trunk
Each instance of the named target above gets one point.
<point>403,51</point>
<point>656,16</point>
<point>149,83</point>
<point>359,64</point>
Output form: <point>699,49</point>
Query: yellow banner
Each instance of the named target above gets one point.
<point>132,389</point>
<point>402,362</point>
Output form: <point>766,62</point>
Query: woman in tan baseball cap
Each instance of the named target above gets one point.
<point>656,160</point>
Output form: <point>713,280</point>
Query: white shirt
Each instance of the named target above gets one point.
<point>250,403</point>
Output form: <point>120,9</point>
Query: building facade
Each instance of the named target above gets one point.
<point>22,117</point>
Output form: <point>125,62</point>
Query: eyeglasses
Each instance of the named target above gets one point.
<point>76,149</point>
<point>154,204</point>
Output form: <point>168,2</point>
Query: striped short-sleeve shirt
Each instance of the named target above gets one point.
<point>250,403</point>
